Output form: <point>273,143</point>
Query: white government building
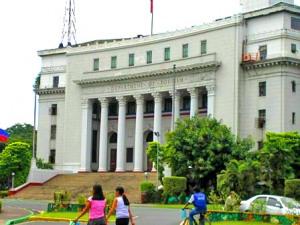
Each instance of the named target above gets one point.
<point>101,102</point>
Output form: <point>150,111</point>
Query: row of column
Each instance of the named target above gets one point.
<point>139,139</point>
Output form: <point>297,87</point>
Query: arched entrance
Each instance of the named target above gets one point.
<point>113,137</point>
<point>148,137</point>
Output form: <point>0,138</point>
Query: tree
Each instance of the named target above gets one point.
<point>19,133</point>
<point>16,157</point>
<point>152,149</point>
<point>240,177</point>
<point>279,159</point>
<point>199,148</point>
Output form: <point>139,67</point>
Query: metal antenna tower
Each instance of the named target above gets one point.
<point>69,27</point>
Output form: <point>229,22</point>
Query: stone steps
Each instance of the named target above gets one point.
<point>82,183</point>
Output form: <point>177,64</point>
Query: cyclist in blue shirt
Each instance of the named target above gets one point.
<point>199,200</point>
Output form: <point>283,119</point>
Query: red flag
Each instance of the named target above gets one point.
<point>151,6</point>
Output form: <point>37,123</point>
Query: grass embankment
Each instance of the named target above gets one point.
<point>63,216</point>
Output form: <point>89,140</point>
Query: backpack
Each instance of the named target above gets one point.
<point>200,201</point>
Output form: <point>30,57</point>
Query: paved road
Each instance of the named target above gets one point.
<point>146,216</point>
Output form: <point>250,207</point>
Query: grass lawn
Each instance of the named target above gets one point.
<point>239,223</point>
<point>179,206</point>
<point>65,215</point>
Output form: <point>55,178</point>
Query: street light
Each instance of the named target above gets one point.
<point>12,180</point>
<point>173,93</point>
<point>157,135</point>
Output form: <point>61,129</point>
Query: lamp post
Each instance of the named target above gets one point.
<point>12,180</point>
<point>173,102</point>
<point>157,181</point>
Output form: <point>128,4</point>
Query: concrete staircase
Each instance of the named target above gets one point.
<point>82,183</point>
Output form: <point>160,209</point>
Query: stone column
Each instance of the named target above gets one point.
<point>211,100</point>
<point>194,92</point>
<point>103,135</point>
<point>176,102</point>
<point>121,150</point>
<point>86,135</point>
<point>157,116</point>
<point>139,134</point>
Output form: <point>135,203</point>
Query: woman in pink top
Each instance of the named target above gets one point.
<point>96,206</point>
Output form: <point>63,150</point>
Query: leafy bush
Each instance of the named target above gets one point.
<point>214,198</point>
<point>0,206</point>
<point>41,164</point>
<point>81,199</point>
<point>148,192</point>
<point>16,157</point>
<point>232,202</point>
<point>258,206</point>
<point>3,194</point>
<point>174,185</point>
<point>147,186</point>
<point>292,188</point>
<point>110,196</point>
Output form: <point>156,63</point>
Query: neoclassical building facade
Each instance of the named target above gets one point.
<point>102,102</point>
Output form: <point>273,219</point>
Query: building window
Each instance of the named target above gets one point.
<point>55,81</point>
<point>53,110</point>
<point>167,54</point>
<point>53,132</point>
<point>96,65</point>
<point>131,59</point>
<point>263,52</point>
<point>293,48</point>
<point>52,156</point>
<point>204,101</point>
<point>293,86</point>
<point>295,23</point>
<point>186,101</point>
<point>149,106</point>
<point>262,88</point>
<point>129,155</point>
<point>94,146</point>
<point>293,118</point>
<point>131,108</point>
<point>168,105</point>
<point>113,62</point>
<point>113,138</point>
<point>203,47</point>
<point>261,118</point>
<point>260,145</point>
<point>149,57</point>
<point>113,109</point>
<point>185,50</point>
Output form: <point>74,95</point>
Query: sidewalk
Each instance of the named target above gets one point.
<point>9,212</point>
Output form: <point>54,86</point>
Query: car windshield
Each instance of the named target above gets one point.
<point>290,203</point>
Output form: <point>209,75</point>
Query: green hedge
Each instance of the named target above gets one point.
<point>174,185</point>
<point>0,206</point>
<point>3,194</point>
<point>292,188</point>
<point>147,186</point>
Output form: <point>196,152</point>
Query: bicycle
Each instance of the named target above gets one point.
<point>204,218</point>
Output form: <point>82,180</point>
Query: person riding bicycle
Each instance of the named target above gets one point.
<point>199,200</point>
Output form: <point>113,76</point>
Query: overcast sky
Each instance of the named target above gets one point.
<point>31,25</point>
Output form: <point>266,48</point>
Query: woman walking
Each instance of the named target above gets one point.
<point>96,206</point>
<point>121,207</point>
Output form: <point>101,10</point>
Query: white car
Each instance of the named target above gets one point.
<point>274,204</point>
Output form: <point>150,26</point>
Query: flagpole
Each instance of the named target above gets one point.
<point>152,25</point>
<point>151,10</point>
